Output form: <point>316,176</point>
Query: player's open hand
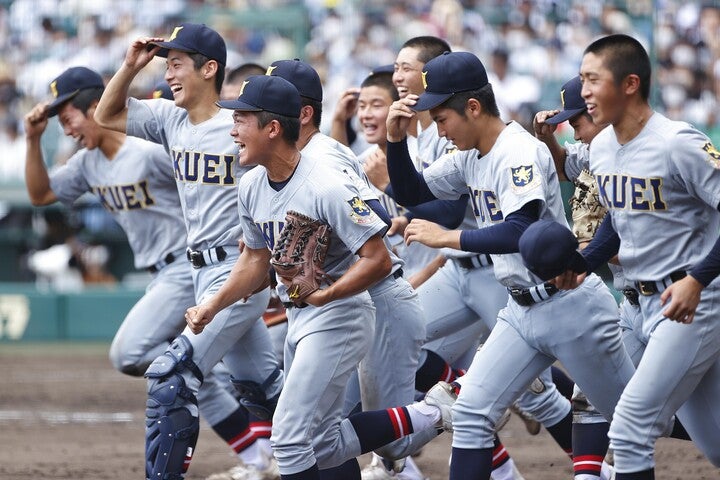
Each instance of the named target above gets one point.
<point>36,121</point>
<point>398,225</point>
<point>375,168</point>
<point>399,116</point>
<point>140,52</point>
<point>542,129</point>
<point>568,280</point>
<point>199,316</point>
<point>684,296</point>
<point>431,234</point>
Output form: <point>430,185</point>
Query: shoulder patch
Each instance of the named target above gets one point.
<point>713,154</point>
<point>360,212</point>
<point>523,176</point>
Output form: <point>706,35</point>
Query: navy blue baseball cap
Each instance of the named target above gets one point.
<point>302,75</point>
<point>572,102</point>
<point>266,93</point>
<point>69,83</point>
<point>195,38</point>
<point>448,74</point>
<point>162,90</point>
<point>390,68</point>
<point>549,248</point>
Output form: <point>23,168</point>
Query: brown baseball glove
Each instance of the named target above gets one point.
<point>299,254</point>
<point>587,212</point>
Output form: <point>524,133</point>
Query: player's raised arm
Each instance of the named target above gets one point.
<point>37,180</point>
<point>111,111</point>
<point>248,275</point>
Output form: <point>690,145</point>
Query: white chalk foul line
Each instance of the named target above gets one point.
<point>61,418</point>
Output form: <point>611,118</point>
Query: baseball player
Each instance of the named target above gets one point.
<point>134,181</point>
<point>386,372</point>
<point>330,332</point>
<point>377,93</point>
<point>235,78</point>
<point>512,184</point>
<point>452,301</point>
<point>657,177</point>
<point>206,169</point>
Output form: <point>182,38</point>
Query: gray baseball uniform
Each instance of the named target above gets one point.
<point>137,187</point>
<point>324,344</point>
<point>206,171</point>
<point>527,339</point>
<point>662,189</point>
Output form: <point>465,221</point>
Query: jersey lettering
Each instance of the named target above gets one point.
<point>205,168</point>
<point>131,196</point>
<point>270,231</point>
<point>631,193</point>
<point>485,206</point>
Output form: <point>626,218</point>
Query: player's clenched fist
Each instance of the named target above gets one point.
<point>542,129</point>
<point>199,316</point>
<point>398,119</point>
<point>36,120</point>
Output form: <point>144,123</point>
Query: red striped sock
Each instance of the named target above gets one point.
<point>261,429</point>
<point>400,419</point>
<point>500,456</point>
<point>587,465</point>
<point>188,458</point>
<point>242,441</point>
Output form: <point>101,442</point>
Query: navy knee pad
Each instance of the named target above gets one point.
<point>253,398</point>
<point>171,421</point>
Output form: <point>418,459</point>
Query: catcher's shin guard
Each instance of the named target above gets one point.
<point>253,397</point>
<point>171,417</point>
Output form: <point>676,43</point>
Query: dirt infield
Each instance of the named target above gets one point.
<point>66,414</point>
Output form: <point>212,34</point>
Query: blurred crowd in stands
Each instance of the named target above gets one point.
<point>530,48</point>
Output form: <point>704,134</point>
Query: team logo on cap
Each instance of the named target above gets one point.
<point>714,154</point>
<point>424,80</point>
<point>522,176</point>
<point>270,70</point>
<point>53,89</point>
<point>157,94</point>
<point>242,87</point>
<point>175,33</point>
<point>562,97</point>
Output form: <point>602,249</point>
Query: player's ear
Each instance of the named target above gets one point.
<point>306,114</point>
<point>209,69</point>
<point>631,84</point>
<point>473,107</point>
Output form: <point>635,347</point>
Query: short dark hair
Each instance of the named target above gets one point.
<point>199,60</point>
<point>623,55</point>
<point>484,95</point>
<point>429,46</point>
<point>317,109</point>
<point>85,98</point>
<point>382,80</point>
<point>290,125</point>
<point>244,71</point>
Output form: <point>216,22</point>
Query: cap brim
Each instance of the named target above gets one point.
<point>54,107</point>
<point>238,105</point>
<point>165,48</point>
<point>430,100</point>
<point>564,115</point>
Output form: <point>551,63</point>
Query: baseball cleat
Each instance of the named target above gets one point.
<point>249,472</point>
<point>376,470</point>
<point>531,425</point>
<point>442,396</point>
<point>503,421</point>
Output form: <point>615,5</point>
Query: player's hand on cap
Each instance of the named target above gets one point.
<point>542,129</point>
<point>431,234</point>
<point>375,168</point>
<point>199,316</point>
<point>399,116</point>
<point>140,52</point>
<point>684,296</point>
<point>568,280</point>
<point>36,120</point>
<point>346,105</point>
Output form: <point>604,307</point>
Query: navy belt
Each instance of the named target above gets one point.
<point>527,297</point>
<point>169,258</point>
<point>652,287</point>
<point>476,261</point>
<point>202,258</point>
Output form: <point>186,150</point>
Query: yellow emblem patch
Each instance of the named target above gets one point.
<point>270,70</point>
<point>424,80</point>
<point>53,89</point>
<point>523,177</point>
<point>360,213</point>
<point>714,154</point>
<point>242,87</point>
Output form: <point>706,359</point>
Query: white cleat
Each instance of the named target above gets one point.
<point>375,470</point>
<point>249,472</point>
<point>442,396</point>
